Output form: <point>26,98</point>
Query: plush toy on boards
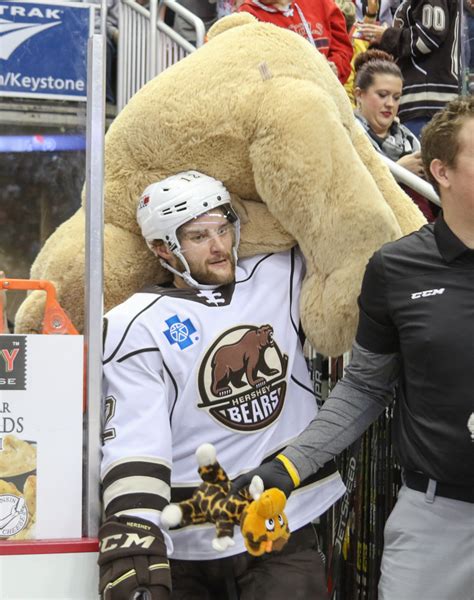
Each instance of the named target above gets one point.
<point>261,515</point>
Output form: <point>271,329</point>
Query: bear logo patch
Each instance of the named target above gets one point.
<point>242,378</point>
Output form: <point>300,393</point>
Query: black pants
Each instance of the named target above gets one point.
<point>295,573</point>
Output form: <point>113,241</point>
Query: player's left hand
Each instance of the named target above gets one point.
<point>132,561</point>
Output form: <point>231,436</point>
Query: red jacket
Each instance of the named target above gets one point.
<point>326,21</point>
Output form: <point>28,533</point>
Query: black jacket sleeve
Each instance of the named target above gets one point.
<point>420,27</point>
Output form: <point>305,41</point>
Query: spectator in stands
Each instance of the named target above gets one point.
<point>469,41</point>
<point>203,9</point>
<point>347,8</point>
<point>378,88</point>
<point>424,40</point>
<point>225,7</point>
<point>111,49</point>
<point>380,11</point>
<point>378,14</point>
<point>321,22</point>
<point>367,11</point>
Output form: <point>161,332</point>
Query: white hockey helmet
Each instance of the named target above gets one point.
<point>166,205</point>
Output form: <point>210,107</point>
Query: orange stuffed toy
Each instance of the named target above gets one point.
<point>264,525</point>
<point>261,516</point>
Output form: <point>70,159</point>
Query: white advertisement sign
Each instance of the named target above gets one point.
<point>41,400</point>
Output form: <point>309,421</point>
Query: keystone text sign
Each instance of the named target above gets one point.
<point>43,49</point>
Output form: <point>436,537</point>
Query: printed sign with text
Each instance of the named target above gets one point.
<point>43,49</point>
<point>41,385</point>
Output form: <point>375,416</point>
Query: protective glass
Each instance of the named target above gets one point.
<point>206,228</point>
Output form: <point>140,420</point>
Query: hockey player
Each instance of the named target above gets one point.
<point>416,334</point>
<point>216,357</point>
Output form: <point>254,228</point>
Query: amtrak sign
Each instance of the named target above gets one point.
<point>43,49</point>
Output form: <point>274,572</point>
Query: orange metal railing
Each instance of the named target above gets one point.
<point>55,320</point>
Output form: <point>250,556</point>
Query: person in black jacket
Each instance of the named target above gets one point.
<point>424,40</point>
<point>416,337</point>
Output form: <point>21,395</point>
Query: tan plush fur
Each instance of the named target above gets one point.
<point>259,108</point>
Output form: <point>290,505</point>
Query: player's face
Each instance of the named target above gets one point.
<point>206,243</point>
<point>379,103</point>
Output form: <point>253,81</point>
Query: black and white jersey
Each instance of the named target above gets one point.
<point>183,367</point>
<point>424,40</point>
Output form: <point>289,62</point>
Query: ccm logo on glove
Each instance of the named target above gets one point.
<point>126,540</point>
<point>132,559</point>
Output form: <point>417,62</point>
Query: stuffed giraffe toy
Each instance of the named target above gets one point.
<point>259,513</point>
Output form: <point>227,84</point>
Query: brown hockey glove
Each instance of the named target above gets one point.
<point>132,559</point>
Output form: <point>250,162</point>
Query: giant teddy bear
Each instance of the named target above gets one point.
<point>259,108</point>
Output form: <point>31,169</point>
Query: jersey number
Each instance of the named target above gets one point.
<point>433,17</point>
<point>109,412</point>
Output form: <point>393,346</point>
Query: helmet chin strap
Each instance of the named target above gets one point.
<point>186,276</point>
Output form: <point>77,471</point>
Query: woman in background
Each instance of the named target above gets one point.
<point>377,90</point>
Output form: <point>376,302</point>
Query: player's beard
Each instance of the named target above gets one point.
<point>206,275</point>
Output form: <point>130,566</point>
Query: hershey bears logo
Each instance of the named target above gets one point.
<point>242,378</point>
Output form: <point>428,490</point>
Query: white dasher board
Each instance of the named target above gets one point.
<point>41,399</point>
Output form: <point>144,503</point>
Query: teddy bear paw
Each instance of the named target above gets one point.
<point>222,543</point>
<point>206,455</point>
<point>171,516</point>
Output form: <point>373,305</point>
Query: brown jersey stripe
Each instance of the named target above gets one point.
<point>137,468</point>
<point>136,502</point>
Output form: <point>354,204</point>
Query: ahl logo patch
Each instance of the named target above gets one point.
<point>179,332</point>
<point>242,378</point>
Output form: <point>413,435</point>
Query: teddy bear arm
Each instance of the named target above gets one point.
<point>305,166</point>
<point>408,215</point>
<point>128,267</point>
<point>30,314</point>
<point>311,177</point>
<point>61,261</point>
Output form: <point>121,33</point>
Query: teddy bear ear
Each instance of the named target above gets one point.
<point>229,22</point>
<point>270,503</point>
<point>265,506</point>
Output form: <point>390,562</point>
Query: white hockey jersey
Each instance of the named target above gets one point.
<point>183,367</point>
